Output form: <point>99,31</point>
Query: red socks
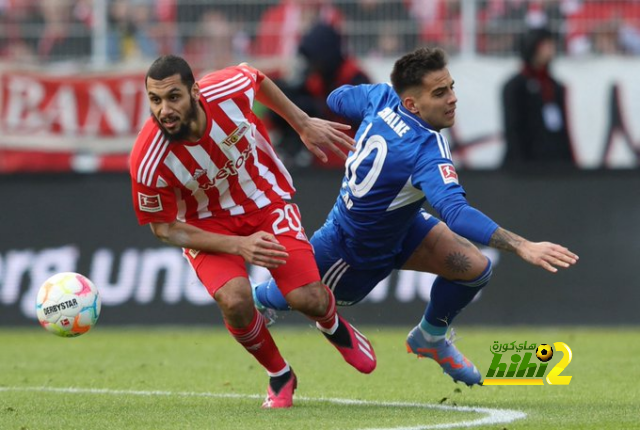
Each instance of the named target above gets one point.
<point>328,323</point>
<point>257,340</point>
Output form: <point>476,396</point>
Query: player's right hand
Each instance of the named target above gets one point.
<point>320,135</point>
<point>262,249</point>
<point>549,256</point>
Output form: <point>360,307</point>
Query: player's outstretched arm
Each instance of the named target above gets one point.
<point>261,248</point>
<point>317,134</point>
<point>547,255</point>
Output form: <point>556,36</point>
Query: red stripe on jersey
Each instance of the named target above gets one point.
<point>200,196</point>
<point>210,89</point>
<point>231,89</point>
<point>243,161</point>
<point>152,158</point>
<point>269,158</point>
<point>268,172</point>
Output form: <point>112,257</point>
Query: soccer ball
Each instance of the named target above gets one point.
<point>544,352</point>
<point>68,304</point>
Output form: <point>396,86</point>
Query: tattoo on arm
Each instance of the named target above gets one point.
<point>457,262</point>
<point>505,240</point>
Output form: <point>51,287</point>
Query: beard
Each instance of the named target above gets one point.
<point>183,131</point>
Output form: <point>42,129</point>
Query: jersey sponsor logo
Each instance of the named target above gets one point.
<point>236,134</point>
<point>231,167</point>
<point>448,173</point>
<point>193,252</point>
<point>149,203</point>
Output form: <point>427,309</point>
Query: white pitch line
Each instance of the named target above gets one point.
<point>494,416</point>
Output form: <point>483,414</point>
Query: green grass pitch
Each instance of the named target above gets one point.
<point>199,378</point>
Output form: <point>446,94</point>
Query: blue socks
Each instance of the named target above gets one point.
<point>448,298</point>
<point>268,295</point>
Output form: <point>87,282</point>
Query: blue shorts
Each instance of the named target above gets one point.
<point>351,285</point>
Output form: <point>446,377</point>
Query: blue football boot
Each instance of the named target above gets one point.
<point>444,352</point>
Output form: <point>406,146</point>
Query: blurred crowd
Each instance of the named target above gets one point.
<point>214,33</point>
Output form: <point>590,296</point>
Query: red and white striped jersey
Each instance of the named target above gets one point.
<point>232,170</point>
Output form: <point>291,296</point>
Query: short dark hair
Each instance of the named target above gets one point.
<point>409,70</point>
<point>169,65</point>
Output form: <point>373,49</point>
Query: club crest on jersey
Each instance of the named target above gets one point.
<point>236,134</point>
<point>448,173</point>
<point>148,203</point>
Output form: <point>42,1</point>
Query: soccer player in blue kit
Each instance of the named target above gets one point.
<point>378,224</point>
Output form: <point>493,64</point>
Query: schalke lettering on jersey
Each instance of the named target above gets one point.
<point>394,121</point>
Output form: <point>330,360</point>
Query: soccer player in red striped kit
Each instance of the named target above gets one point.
<point>206,178</point>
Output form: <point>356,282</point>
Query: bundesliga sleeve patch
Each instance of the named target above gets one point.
<point>148,203</point>
<point>448,173</point>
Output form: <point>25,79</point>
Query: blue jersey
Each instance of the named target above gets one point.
<point>378,221</point>
<point>399,162</point>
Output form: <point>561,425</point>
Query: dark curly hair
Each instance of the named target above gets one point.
<point>409,70</point>
<point>169,65</point>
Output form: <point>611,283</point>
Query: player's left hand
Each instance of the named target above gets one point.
<point>547,255</point>
<point>320,134</point>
